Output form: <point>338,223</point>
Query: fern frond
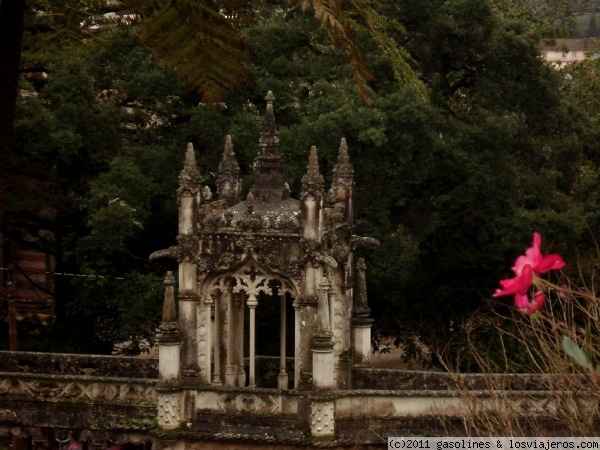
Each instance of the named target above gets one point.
<point>343,23</point>
<point>397,55</point>
<point>199,40</point>
<point>341,29</point>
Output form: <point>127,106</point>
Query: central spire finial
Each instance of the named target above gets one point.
<point>270,98</point>
<point>269,185</point>
<point>269,139</point>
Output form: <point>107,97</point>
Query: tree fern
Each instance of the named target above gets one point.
<point>198,39</point>
<point>343,20</point>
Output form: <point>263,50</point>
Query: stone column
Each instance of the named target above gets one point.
<point>252,304</point>
<point>322,345</point>
<point>187,252</point>
<point>297,343</point>
<point>230,372</point>
<point>170,393</point>
<point>188,322</point>
<point>217,341</point>
<point>239,308</point>
<point>304,327</point>
<point>282,379</point>
<point>361,322</point>
<point>208,303</point>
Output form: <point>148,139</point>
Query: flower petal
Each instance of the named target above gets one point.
<point>521,301</point>
<point>537,303</point>
<point>550,262</point>
<point>525,306</point>
<point>516,285</point>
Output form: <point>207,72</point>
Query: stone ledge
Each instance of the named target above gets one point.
<point>72,364</point>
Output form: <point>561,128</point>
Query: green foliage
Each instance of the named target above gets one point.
<point>198,41</point>
<point>452,187</point>
<point>89,165</point>
<point>578,355</point>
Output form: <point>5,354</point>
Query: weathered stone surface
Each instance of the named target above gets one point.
<point>389,379</point>
<point>71,364</point>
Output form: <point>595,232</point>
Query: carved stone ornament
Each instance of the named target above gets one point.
<point>322,418</point>
<point>343,174</point>
<point>251,278</point>
<point>55,388</point>
<point>360,241</point>
<point>189,178</point>
<point>203,264</point>
<point>251,221</point>
<point>312,181</point>
<point>361,304</point>
<point>168,410</point>
<point>226,260</point>
<point>187,249</point>
<point>338,243</point>
<point>241,403</point>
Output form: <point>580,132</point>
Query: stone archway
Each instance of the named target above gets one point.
<point>224,297</point>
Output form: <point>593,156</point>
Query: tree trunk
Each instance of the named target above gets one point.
<point>11,36</point>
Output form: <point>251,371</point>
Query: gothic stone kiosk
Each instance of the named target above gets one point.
<point>268,256</point>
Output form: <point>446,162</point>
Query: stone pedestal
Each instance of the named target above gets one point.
<point>169,345</point>
<point>361,339</point>
<point>323,362</point>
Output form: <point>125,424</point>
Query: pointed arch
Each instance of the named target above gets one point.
<point>226,293</point>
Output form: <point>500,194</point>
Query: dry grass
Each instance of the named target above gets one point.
<point>572,392</point>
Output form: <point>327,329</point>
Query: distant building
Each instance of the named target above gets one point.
<point>565,51</point>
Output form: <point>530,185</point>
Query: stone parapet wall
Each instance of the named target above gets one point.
<point>65,404</point>
<point>71,364</point>
<point>396,380</point>
<point>80,389</point>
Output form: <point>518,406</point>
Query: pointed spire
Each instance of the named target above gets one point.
<point>269,137</point>
<point>361,303</point>
<point>189,177</point>
<point>312,181</point>
<point>228,179</point>
<point>268,185</point>
<point>169,314</point>
<point>190,157</point>
<point>343,174</point>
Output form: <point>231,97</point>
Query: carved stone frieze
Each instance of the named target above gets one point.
<point>251,221</point>
<point>54,388</point>
<point>254,403</point>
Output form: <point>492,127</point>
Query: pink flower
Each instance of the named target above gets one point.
<point>533,257</point>
<point>526,268</point>
<point>522,302</point>
<point>517,285</point>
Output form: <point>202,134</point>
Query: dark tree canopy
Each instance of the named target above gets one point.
<point>452,185</point>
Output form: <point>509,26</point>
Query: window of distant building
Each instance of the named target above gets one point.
<point>574,55</point>
<point>564,54</point>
